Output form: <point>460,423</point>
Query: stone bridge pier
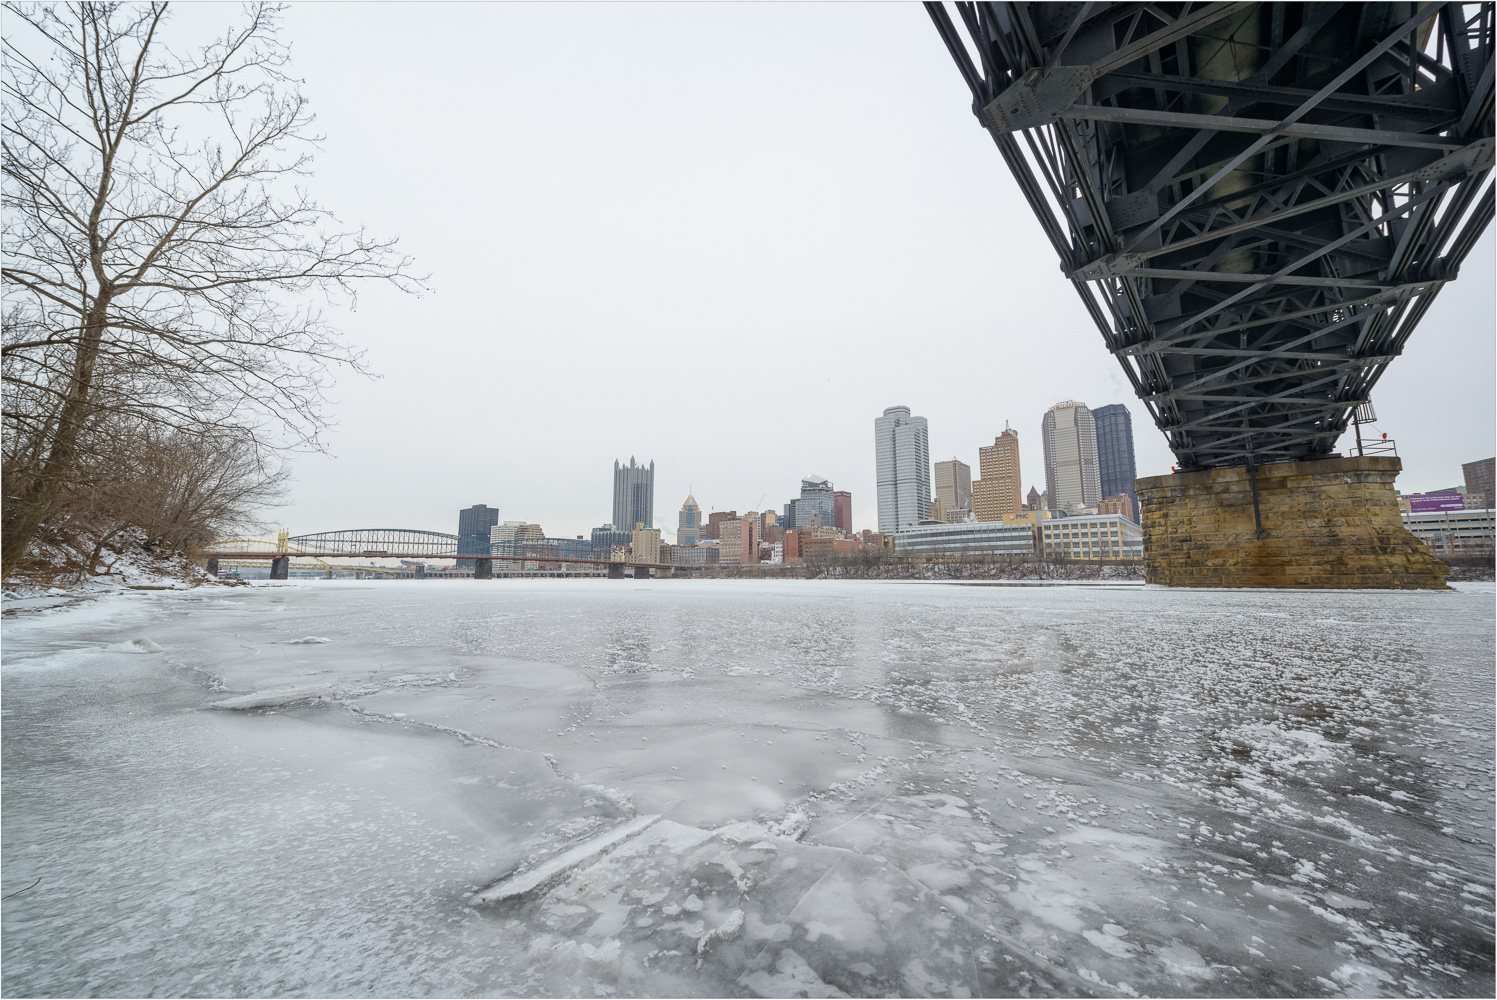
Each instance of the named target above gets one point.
<point>1329,523</point>
<point>615,571</point>
<point>483,569</point>
<point>280,568</point>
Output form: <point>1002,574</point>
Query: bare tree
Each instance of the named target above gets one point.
<point>157,243</point>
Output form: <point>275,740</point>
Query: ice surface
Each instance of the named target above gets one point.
<point>861,789</point>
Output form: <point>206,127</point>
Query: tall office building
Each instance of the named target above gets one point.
<point>902,451</point>
<point>999,489</point>
<point>645,545</point>
<point>689,522</point>
<point>1115,468</point>
<point>1070,437</point>
<point>817,502</point>
<point>473,524</point>
<point>954,486</point>
<point>1479,481</point>
<point>633,495</point>
<point>842,511</point>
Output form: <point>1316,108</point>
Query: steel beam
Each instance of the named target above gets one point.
<point>1241,230</point>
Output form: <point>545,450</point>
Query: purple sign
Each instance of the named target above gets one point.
<point>1423,503</point>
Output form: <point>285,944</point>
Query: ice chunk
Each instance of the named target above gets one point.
<point>519,884</point>
<point>310,640</point>
<point>273,698</point>
<point>792,977</point>
<point>140,645</point>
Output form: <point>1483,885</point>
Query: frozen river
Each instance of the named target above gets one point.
<point>769,788</point>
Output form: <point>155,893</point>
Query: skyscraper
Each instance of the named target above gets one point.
<point>1115,466</point>
<point>473,524</point>
<point>842,511</point>
<point>633,495</point>
<point>817,500</point>
<point>999,489</point>
<point>902,450</point>
<point>1070,437</point>
<point>954,486</point>
<point>689,522</point>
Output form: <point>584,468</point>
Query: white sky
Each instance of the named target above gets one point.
<point>724,237</point>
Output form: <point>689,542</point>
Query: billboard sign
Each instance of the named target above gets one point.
<point>1424,503</point>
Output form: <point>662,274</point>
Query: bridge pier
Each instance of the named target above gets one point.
<point>280,568</point>
<point>615,571</point>
<point>1330,523</point>
<point>483,569</point>
<point>641,572</point>
<point>212,567</point>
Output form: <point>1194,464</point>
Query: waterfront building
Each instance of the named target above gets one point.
<point>646,544</point>
<point>689,522</point>
<point>1070,438</point>
<point>973,538</point>
<point>473,524</point>
<point>633,494</point>
<point>841,511</point>
<point>715,521</point>
<point>1122,503</point>
<point>1091,537</point>
<point>738,541</point>
<point>999,488</point>
<point>953,484</point>
<point>1116,470</point>
<point>704,554</point>
<point>1479,483</point>
<point>902,453</point>
<point>1452,532</point>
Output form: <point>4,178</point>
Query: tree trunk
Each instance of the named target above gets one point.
<point>31,509</point>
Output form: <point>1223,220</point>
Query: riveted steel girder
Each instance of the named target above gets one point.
<point>1256,202</point>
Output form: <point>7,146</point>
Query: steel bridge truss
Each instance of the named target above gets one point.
<point>1256,202</point>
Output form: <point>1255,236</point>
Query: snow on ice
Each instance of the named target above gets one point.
<point>749,788</point>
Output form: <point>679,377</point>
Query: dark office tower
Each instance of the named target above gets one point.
<point>1115,451</point>
<point>842,500</point>
<point>473,526</point>
<point>633,495</point>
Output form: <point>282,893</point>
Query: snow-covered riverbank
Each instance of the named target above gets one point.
<point>749,787</point>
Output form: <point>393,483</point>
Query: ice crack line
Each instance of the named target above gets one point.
<point>617,798</point>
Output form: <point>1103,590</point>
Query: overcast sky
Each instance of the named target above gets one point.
<point>723,237</point>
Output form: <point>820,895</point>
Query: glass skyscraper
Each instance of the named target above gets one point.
<point>633,495</point>
<point>902,450</point>
<point>1115,464</point>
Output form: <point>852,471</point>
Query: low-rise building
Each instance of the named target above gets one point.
<point>1452,532</point>
<point>694,555</point>
<point>1092,537</point>
<point>1119,503</point>
<point>970,538</point>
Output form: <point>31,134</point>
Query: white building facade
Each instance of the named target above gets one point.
<point>1071,476</point>
<point>902,452</point>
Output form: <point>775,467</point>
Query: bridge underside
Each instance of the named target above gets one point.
<point>1256,202</point>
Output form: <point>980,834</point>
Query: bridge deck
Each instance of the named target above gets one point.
<point>301,554</point>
